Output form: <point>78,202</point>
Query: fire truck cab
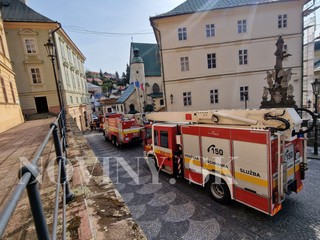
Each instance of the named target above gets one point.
<point>254,157</point>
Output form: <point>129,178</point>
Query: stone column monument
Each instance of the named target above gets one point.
<point>279,92</point>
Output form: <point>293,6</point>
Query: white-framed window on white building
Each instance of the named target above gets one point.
<point>67,78</point>
<point>35,75</point>
<point>30,45</point>
<point>242,26</point>
<point>244,93</point>
<point>210,30</point>
<point>243,56</point>
<point>69,54</point>
<point>214,96</point>
<point>187,99</point>
<point>77,99</point>
<point>62,47</point>
<point>211,59</point>
<point>71,99</point>
<point>184,64</point>
<point>282,21</point>
<point>182,33</point>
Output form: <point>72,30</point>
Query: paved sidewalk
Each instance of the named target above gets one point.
<point>20,141</point>
<point>97,210</point>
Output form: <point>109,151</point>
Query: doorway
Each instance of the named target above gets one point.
<point>41,104</point>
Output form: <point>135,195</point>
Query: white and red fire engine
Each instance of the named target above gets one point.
<point>121,130</point>
<point>255,157</point>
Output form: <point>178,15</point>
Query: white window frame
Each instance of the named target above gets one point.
<point>30,45</point>
<point>242,26</point>
<point>244,89</point>
<point>187,99</point>
<point>211,60</point>
<point>214,96</point>
<point>210,30</point>
<point>282,21</point>
<point>182,33</point>
<point>243,56</point>
<point>184,61</point>
<point>35,74</point>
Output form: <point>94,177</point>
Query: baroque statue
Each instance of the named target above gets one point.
<point>279,90</point>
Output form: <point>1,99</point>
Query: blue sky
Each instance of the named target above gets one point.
<point>88,24</point>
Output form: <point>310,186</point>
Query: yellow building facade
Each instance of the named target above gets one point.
<point>27,31</point>
<point>10,110</point>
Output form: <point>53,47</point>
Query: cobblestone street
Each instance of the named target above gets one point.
<point>179,210</point>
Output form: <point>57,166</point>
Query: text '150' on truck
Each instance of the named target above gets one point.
<point>255,157</point>
<point>120,129</point>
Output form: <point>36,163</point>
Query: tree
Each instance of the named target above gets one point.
<point>101,74</point>
<point>127,74</point>
<point>117,76</point>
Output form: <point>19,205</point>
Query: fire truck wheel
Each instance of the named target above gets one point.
<point>218,189</point>
<point>118,145</point>
<point>113,140</point>
<point>152,160</point>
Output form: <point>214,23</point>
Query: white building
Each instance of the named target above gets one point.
<point>214,51</point>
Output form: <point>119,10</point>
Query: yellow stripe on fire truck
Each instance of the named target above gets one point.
<point>163,152</point>
<point>131,130</point>
<point>222,170</point>
<point>251,179</point>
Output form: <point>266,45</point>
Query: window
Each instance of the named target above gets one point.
<point>155,138</point>
<point>214,96</point>
<point>182,33</point>
<point>187,99</point>
<point>35,74</point>
<point>12,93</point>
<point>164,139</point>
<point>4,91</point>
<point>71,99</point>
<point>242,26</point>
<point>77,99</point>
<point>161,102</point>
<point>210,32</point>
<point>2,52</point>
<point>282,21</point>
<point>184,64</point>
<point>30,45</point>
<point>211,58</point>
<point>155,88</point>
<point>243,57</point>
<point>244,93</point>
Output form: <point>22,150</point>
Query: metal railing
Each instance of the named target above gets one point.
<point>28,180</point>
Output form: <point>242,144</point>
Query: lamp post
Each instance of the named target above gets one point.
<point>50,47</point>
<point>245,96</point>
<point>171,98</point>
<point>309,103</point>
<point>316,91</point>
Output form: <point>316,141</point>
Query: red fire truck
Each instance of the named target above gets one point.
<point>121,130</point>
<point>255,157</point>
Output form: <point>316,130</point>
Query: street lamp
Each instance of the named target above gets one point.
<point>50,47</point>
<point>171,98</point>
<point>316,91</point>
<point>309,103</point>
<point>245,96</point>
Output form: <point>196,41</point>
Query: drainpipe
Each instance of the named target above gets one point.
<point>162,66</point>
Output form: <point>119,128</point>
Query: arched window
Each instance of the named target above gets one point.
<point>12,92</point>
<point>2,51</point>
<point>4,91</point>
<point>155,88</point>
